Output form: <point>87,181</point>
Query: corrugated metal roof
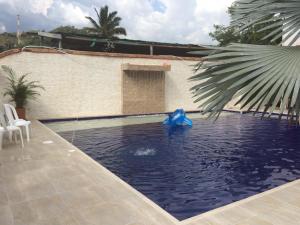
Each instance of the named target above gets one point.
<point>95,38</point>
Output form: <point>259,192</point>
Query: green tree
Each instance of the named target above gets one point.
<point>69,30</point>
<point>225,35</point>
<point>257,77</point>
<point>108,25</point>
<point>232,34</point>
<point>9,40</point>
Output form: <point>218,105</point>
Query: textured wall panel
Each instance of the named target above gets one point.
<point>143,92</point>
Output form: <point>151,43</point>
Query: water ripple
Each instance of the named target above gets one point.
<point>190,171</point>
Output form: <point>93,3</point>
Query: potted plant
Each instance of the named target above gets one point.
<point>20,90</point>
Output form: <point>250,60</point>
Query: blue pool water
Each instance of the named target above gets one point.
<point>191,171</point>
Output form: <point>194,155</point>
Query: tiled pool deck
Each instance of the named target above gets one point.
<point>57,184</point>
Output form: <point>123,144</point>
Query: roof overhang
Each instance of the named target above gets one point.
<point>50,35</point>
<point>154,68</point>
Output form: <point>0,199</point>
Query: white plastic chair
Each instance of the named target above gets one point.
<point>13,119</point>
<point>10,130</point>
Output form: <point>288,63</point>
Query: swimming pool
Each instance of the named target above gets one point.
<point>188,171</point>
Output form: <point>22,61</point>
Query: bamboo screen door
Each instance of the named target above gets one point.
<point>143,88</point>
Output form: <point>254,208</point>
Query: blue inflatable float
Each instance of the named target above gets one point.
<point>178,118</point>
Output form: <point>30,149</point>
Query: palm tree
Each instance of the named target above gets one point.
<point>258,77</point>
<point>107,25</point>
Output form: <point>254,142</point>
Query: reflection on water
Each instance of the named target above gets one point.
<point>145,152</point>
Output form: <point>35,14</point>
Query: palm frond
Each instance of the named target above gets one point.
<point>93,22</point>
<point>120,30</point>
<point>259,77</point>
<point>108,23</point>
<point>97,13</point>
<point>103,15</point>
<point>112,15</point>
<point>114,22</point>
<point>284,14</point>
<point>8,70</point>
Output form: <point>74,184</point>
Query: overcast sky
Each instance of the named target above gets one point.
<point>181,21</point>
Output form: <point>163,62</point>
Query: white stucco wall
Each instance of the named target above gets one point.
<point>88,86</point>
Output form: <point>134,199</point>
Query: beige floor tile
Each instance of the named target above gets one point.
<point>36,188</point>
<point>28,186</point>
<point>6,217</point>
<point>147,210</point>
<point>290,195</point>
<point>10,151</point>
<point>61,172</point>
<point>58,162</point>
<point>87,197</point>
<point>297,184</point>
<point>65,184</point>
<point>45,211</point>
<point>34,165</point>
<point>274,211</point>
<point>14,192</point>
<point>229,216</point>
<point>254,221</point>
<point>105,193</point>
<point>233,215</point>
<point>112,214</point>
<point>263,205</point>
<point>23,213</point>
<point>11,170</point>
<point>206,222</point>
<point>63,220</point>
<point>3,199</point>
<point>138,223</point>
<point>3,195</point>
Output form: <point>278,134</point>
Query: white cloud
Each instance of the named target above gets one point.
<point>34,6</point>
<point>39,6</point>
<point>181,21</point>
<point>2,28</point>
<point>174,21</point>
<point>68,14</point>
<point>213,6</point>
<point>144,22</point>
<point>208,13</point>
